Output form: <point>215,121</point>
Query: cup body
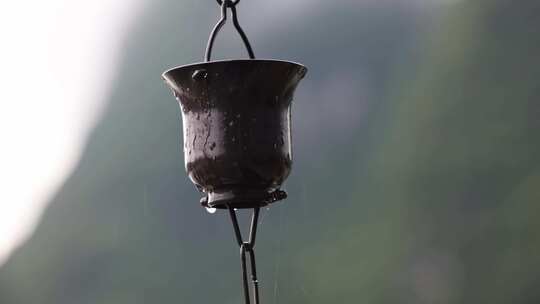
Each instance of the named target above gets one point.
<point>237,127</point>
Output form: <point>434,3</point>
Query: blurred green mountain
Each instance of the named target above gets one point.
<point>416,175</point>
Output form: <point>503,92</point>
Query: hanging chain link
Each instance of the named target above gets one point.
<point>234,3</point>
<point>247,247</point>
<point>232,6</point>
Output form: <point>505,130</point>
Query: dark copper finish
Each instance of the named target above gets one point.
<point>237,127</point>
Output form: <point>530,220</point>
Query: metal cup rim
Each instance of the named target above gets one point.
<point>203,64</point>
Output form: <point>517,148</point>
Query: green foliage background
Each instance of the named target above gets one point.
<point>424,189</point>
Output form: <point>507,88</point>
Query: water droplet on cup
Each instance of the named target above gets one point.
<point>199,75</point>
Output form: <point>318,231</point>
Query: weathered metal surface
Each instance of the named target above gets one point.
<point>237,127</point>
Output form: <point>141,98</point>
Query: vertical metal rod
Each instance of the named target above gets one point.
<point>247,247</point>
<point>237,232</point>
<point>213,34</point>
<point>244,273</point>
<point>241,32</point>
<point>254,279</point>
<point>253,229</point>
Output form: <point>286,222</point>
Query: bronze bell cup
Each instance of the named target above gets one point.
<point>236,124</point>
<point>237,127</point>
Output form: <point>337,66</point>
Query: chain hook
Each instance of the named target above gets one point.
<point>224,5</point>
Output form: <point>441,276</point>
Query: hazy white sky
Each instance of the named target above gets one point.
<point>57,57</point>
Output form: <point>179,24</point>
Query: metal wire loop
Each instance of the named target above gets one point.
<point>247,248</point>
<point>235,2</point>
<point>224,5</point>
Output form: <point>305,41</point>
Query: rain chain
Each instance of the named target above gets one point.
<point>237,136</point>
